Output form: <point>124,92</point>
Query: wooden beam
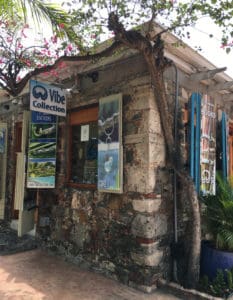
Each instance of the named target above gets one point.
<point>220,86</point>
<point>206,74</point>
<point>227,97</point>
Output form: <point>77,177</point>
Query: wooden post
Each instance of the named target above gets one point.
<point>37,204</point>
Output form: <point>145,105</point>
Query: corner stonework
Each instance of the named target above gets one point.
<point>148,225</point>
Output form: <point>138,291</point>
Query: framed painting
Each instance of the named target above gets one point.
<point>110,165</point>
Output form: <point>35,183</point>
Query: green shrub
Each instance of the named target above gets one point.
<point>218,214</point>
<point>220,286</point>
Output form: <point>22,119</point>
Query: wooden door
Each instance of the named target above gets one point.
<point>3,165</point>
<point>230,147</point>
<point>26,217</point>
<point>18,143</point>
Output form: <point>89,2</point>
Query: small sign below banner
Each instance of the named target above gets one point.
<point>84,133</point>
<point>47,99</point>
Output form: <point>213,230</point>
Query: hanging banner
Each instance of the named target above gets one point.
<point>47,99</point>
<point>110,144</point>
<point>41,167</point>
<point>208,146</point>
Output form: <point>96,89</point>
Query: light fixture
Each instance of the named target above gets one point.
<point>14,101</point>
<point>94,76</point>
<point>6,106</point>
<point>20,102</point>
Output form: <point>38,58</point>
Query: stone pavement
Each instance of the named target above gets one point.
<point>37,275</point>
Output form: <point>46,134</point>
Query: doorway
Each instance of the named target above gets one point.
<point>3,167</point>
<point>23,211</point>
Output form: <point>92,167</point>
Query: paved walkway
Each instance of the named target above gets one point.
<point>36,275</point>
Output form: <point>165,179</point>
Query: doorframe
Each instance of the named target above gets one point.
<point>17,148</point>
<point>3,170</point>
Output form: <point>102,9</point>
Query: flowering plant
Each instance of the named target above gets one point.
<point>18,55</point>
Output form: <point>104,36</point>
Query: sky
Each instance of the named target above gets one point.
<point>211,47</point>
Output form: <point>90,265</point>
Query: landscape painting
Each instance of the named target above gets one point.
<point>42,150</point>
<point>43,131</point>
<point>41,173</point>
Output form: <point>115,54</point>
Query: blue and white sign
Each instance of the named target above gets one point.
<point>47,99</point>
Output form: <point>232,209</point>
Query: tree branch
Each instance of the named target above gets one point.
<point>15,88</point>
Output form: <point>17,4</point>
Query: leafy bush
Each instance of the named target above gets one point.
<point>218,214</point>
<point>221,286</point>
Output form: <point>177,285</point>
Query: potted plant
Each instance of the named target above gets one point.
<point>217,253</point>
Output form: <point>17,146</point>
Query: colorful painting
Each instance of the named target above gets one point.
<point>41,173</point>
<point>208,146</point>
<point>2,140</point>
<point>42,131</point>
<point>110,144</point>
<point>41,168</point>
<point>42,150</point>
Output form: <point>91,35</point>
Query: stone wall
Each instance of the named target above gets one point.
<point>127,236</point>
<point>12,116</point>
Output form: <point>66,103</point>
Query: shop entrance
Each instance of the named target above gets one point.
<point>24,208</point>
<point>230,147</point>
<point>3,161</point>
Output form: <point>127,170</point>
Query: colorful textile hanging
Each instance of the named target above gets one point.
<point>208,146</point>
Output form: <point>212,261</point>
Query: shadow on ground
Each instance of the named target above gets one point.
<point>10,242</point>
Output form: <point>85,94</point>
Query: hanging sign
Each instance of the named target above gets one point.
<point>47,99</point>
<point>41,166</point>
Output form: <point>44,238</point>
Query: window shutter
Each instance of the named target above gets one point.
<point>224,144</point>
<point>194,138</point>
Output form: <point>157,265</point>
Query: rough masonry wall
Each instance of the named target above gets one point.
<point>128,236</point>
<point>11,116</point>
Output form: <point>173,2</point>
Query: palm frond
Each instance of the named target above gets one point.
<point>41,12</point>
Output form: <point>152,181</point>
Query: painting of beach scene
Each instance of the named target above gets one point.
<point>110,144</point>
<point>41,173</point>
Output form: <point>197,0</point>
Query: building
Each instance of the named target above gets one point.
<point>125,224</point>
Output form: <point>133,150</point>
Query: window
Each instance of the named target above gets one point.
<point>83,148</point>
